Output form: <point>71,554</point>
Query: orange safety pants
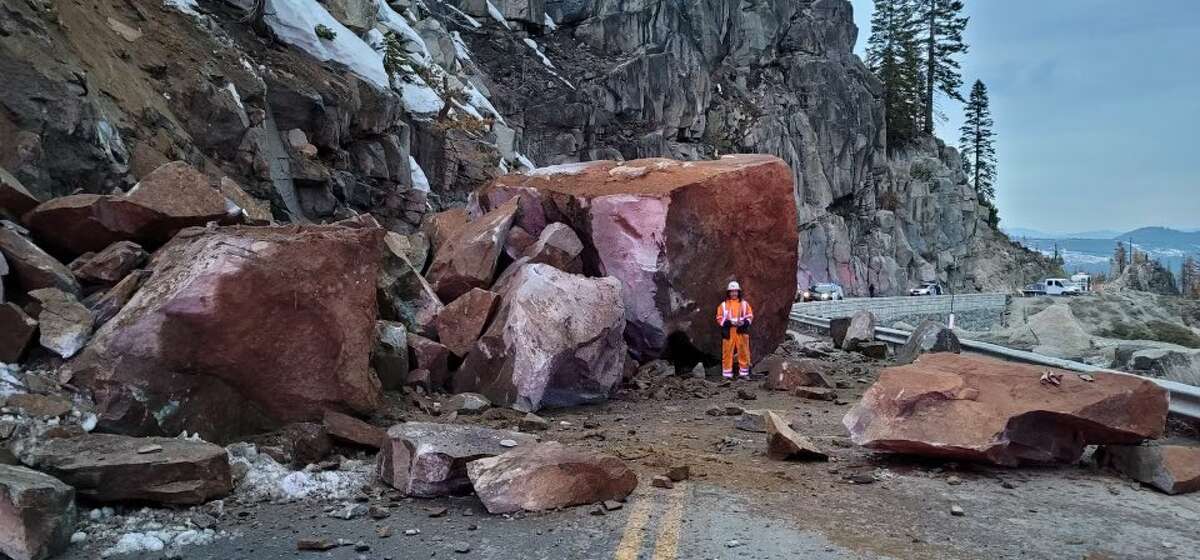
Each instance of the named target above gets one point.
<point>736,343</point>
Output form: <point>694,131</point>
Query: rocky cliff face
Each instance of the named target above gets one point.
<point>328,126</point>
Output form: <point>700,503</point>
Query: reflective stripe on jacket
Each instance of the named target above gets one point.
<point>733,309</point>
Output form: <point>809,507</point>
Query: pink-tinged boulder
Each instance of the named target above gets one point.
<point>64,324</point>
<point>110,265</point>
<point>352,430</point>
<point>113,468</point>
<point>556,341</point>
<point>443,226</point>
<point>170,198</point>
<point>16,332</point>
<point>15,199</point>
<point>468,259</point>
<point>674,233</point>
<point>425,460</point>
<point>37,514</point>
<point>241,328</point>
<point>404,295</point>
<point>974,408</point>
<point>431,356</point>
<point>106,305</point>
<point>786,374</point>
<point>461,322</point>
<point>558,246</point>
<point>1172,468</point>
<point>548,475</point>
<point>30,268</point>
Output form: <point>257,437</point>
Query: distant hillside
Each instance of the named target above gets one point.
<point>1032,233</point>
<point>1091,254</point>
<point>1187,241</point>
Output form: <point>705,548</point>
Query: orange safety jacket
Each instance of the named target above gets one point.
<point>733,309</point>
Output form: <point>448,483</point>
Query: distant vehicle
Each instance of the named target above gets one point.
<point>927,289</point>
<point>1083,280</point>
<point>1052,287</point>
<point>823,292</point>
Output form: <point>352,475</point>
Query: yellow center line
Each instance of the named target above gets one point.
<point>666,546</point>
<point>635,528</point>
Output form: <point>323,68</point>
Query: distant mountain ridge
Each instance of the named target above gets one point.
<point>1091,254</point>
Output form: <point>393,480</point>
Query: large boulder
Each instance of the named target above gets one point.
<point>37,514</point>
<point>674,233</point>
<point>974,408</point>
<point>110,265</point>
<point>786,374</point>
<point>468,259</point>
<point>547,476</point>
<point>432,356</point>
<point>1170,467</point>
<point>861,330</point>
<point>404,295</point>
<point>16,332</point>
<point>15,199</point>
<point>114,468</point>
<point>556,341</point>
<point>64,324</point>
<point>389,357</point>
<point>170,198</point>
<point>462,321</point>
<point>30,267</point>
<point>930,336</point>
<point>241,328</point>
<point>557,246</point>
<point>423,459</point>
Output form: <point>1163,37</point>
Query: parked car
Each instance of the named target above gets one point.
<point>823,292</point>
<point>927,289</point>
<point>1052,287</point>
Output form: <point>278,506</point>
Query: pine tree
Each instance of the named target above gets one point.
<point>894,55</point>
<point>1119,260</point>
<point>941,35</point>
<point>977,143</point>
<point>1189,278</point>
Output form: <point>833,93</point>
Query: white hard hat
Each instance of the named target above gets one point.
<point>734,286</point>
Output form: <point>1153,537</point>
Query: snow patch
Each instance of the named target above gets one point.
<point>562,169</point>
<point>419,181</point>
<point>549,22</point>
<point>526,163</point>
<point>470,20</point>
<point>396,22</point>
<point>263,479</point>
<point>537,49</point>
<point>460,48</point>
<point>419,98</point>
<point>188,7</point>
<point>294,22</point>
<point>481,102</point>
<point>496,15</point>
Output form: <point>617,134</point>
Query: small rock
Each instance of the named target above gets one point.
<point>733,543</point>
<point>715,411</point>
<point>661,482</point>
<point>698,371</point>
<point>147,449</point>
<point>313,543</point>
<point>411,532</point>
<point>508,443</point>
<point>598,509</point>
<point>957,510</point>
<point>462,547</point>
<point>746,395</point>
<point>383,531</point>
<point>361,546</point>
<point>815,393</point>
<point>679,473</point>
<point>378,512</point>
<point>350,511</point>
<point>438,512</point>
<point>953,480</point>
<point>534,423</point>
<point>732,409</point>
<point>612,505</point>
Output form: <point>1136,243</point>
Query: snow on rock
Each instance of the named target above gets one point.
<point>261,478</point>
<point>537,49</point>
<point>131,543</point>
<point>419,181</point>
<point>294,22</point>
<point>496,15</point>
<point>419,98</point>
<point>460,48</point>
<point>526,163</point>
<point>396,22</point>
<point>188,7</point>
<point>568,169</point>
<point>480,101</point>
<point>470,20</point>
<point>549,22</point>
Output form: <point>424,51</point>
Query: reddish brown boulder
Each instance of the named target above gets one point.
<point>558,246</point>
<point>15,199</point>
<point>468,259</point>
<point>241,327</point>
<point>37,514</point>
<point>306,443</point>
<point>110,265</point>
<point>431,356</point>
<point>425,460</point>
<point>783,443</point>
<point>106,305</point>
<point>30,268</point>
<point>974,408</point>
<point>461,322</point>
<point>352,430</point>
<point>1170,467</point>
<point>674,233</point>
<point>556,341</point>
<point>444,226</point>
<point>16,332</point>
<point>112,468</point>
<point>785,374</point>
<point>518,243</point>
<point>170,198</point>
<point>549,475</point>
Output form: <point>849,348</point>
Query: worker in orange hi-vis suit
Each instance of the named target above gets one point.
<point>734,316</point>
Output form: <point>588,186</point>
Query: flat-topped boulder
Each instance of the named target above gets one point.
<point>29,267</point>
<point>974,408</point>
<point>240,328</point>
<point>674,233</point>
<point>549,475</point>
<point>37,514</point>
<point>424,459</point>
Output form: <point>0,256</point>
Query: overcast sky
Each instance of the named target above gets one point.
<point>1097,109</point>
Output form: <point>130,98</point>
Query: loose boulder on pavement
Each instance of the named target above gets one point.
<point>37,514</point>
<point>557,340</point>
<point>546,476</point>
<point>783,443</point>
<point>424,459</point>
<point>930,336</point>
<point>861,330</point>
<point>669,232</point>
<point>785,374</point>
<point>241,328</point>
<point>114,468</point>
<point>974,408</point>
<point>1170,467</point>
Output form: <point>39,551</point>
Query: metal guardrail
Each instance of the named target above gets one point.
<point>1185,399</point>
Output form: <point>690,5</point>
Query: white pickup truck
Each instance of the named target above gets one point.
<point>1052,287</point>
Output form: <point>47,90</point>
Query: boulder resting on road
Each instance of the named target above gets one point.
<point>425,460</point>
<point>37,514</point>
<point>974,408</point>
<point>548,475</point>
<point>930,336</point>
<point>1170,467</point>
